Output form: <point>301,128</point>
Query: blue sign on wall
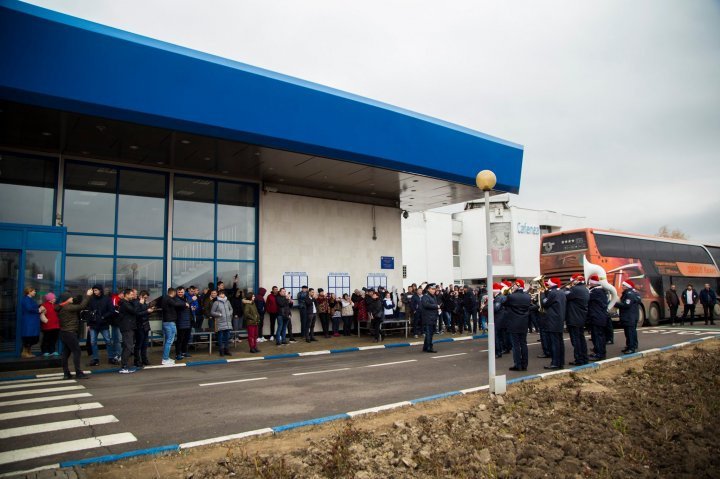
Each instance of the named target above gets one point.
<point>387,262</point>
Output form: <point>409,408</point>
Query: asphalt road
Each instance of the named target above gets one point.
<point>158,407</point>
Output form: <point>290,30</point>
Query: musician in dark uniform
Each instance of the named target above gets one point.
<point>500,324</point>
<point>597,316</point>
<point>554,303</point>
<point>429,311</point>
<point>576,311</point>
<point>629,307</point>
<point>517,316</point>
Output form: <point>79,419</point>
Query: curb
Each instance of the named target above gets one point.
<point>353,414</point>
<point>212,362</point>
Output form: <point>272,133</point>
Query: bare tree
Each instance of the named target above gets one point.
<point>665,232</point>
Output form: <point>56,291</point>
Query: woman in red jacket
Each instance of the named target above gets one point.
<point>50,326</point>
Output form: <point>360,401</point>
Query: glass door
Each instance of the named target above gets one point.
<point>9,285</point>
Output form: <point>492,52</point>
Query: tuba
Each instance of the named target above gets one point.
<point>590,269</point>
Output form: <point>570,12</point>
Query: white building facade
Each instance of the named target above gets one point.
<point>450,248</point>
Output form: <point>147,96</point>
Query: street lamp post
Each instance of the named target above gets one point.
<point>486,181</point>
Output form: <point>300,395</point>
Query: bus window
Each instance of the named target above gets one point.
<point>648,250</point>
<point>664,251</point>
<point>610,246</point>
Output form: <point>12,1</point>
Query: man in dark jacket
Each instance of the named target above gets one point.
<point>183,325</point>
<point>673,302</point>
<point>629,307</point>
<point>101,312</point>
<point>575,313</point>
<point>69,318</point>
<point>170,304</point>
<point>302,297</point>
<point>517,317</point>
<point>311,314</point>
<point>127,323</point>
<point>142,330</point>
<point>689,299</point>
<point>415,300</point>
<point>708,298</point>
<point>429,311</point>
<point>375,308</point>
<point>554,303</point>
<point>499,318</point>
<point>597,317</point>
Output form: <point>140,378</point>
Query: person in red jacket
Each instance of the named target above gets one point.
<point>271,307</point>
<point>50,326</point>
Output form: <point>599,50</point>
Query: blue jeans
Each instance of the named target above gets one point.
<point>447,320</point>
<point>169,331</point>
<point>222,339</point>
<point>281,328</point>
<point>116,339</point>
<point>93,343</point>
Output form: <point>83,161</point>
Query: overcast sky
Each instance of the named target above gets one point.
<point>617,102</point>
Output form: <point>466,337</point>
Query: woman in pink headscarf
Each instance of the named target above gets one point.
<point>50,326</point>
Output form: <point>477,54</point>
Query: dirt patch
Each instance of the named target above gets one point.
<point>654,417</point>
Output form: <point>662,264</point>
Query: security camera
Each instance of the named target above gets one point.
<point>405,214</point>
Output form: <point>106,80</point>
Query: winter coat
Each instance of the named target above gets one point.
<point>517,312</point>
<point>69,315</point>
<point>388,306</point>
<point>577,306</point>
<point>222,312</point>
<point>555,304</point>
<point>361,307</point>
<point>103,311</point>
<point>271,305</point>
<point>143,317</point>
<point>127,320</point>
<point>671,298</point>
<point>30,324</point>
<point>323,306</point>
<point>428,309</point>
<point>629,307</point>
<point>184,315</point>
<point>170,305</point>
<point>347,307</point>
<point>374,307</point>
<point>708,297</point>
<point>499,310</point>
<point>250,312</point>
<point>52,317</point>
<point>237,305</point>
<point>284,306</point>
<point>597,307</point>
<point>683,296</point>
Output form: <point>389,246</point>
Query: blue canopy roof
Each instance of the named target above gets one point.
<point>58,61</point>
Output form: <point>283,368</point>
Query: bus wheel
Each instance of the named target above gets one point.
<point>641,317</point>
<point>653,317</point>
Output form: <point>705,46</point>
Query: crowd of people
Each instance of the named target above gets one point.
<point>122,320</point>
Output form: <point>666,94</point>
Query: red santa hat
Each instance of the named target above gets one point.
<point>594,280</point>
<point>577,277</point>
<point>497,287</point>
<point>520,283</point>
<point>507,284</point>
<point>551,282</point>
<point>628,284</point>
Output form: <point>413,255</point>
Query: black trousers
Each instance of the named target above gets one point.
<point>599,341</point>
<point>519,350</point>
<point>128,346</point>
<point>557,346</point>
<point>310,326</point>
<point>376,326</point>
<point>325,323</point>
<point>673,313</point>
<point>49,340</point>
<point>691,309</point>
<point>71,345</point>
<point>347,325</point>
<point>708,312</point>
<point>181,344</point>
<point>429,331</point>
<point>140,351</point>
<point>579,344</point>
<point>273,318</point>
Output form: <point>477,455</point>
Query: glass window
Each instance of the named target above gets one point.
<point>42,272</point>
<point>236,251</point>
<point>187,272</point>
<point>226,271</point>
<point>81,273</point>
<point>293,283</point>
<point>456,248</point>
<point>611,246</point>
<point>193,249</point>
<point>141,205</point>
<point>236,212</point>
<point>338,285</point>
<point>377,281</point>
<point>80,244</point>
<point>142,274</point>
<point>89,204</point>
<point>194,208</point>
<point>139,247</point>
<point>27,194</point>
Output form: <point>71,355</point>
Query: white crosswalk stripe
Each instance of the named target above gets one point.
<point>62,447</point>
<point>55,426</point>
<point>40,391</point>
<point>31,426</point>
